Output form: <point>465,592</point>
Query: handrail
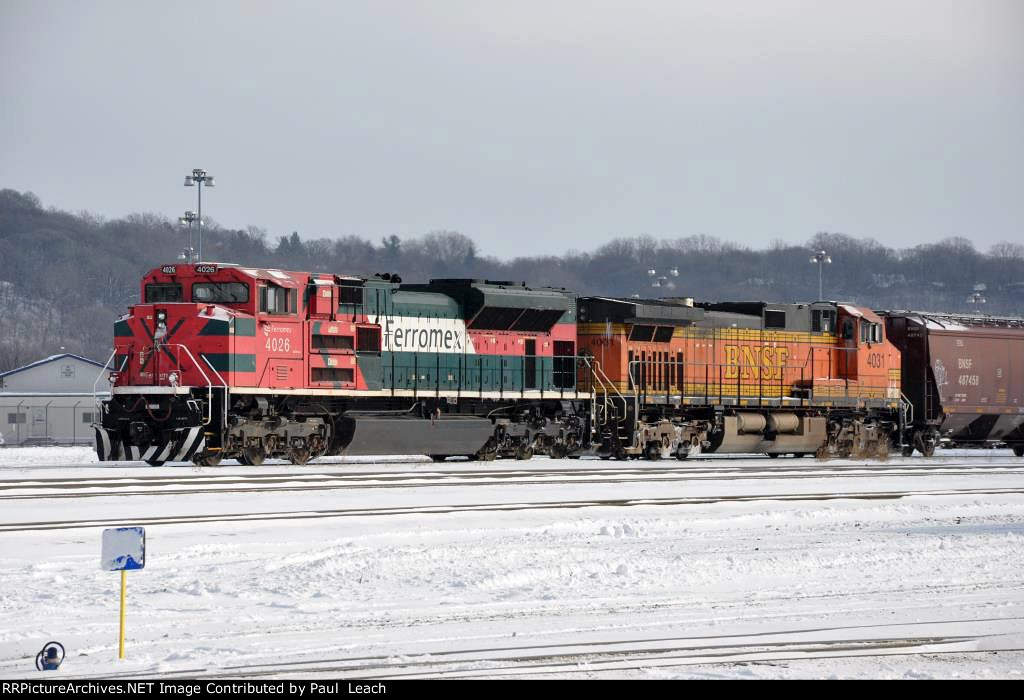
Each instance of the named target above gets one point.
<point>107,368</point>
<point>209,384</point>
<point>906,413</point>
<point>767,389</point>
<point>199,367</point>
<point>556,376</point>
<point>227,389</point>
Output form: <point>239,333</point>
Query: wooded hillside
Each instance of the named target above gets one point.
<point>64,277</point>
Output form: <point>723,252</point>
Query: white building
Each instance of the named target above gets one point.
<point>50,401</point>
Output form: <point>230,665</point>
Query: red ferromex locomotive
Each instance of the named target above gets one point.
<point>223,360</point>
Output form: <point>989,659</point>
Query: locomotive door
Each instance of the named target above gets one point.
<point>847,360</point>
<point>530,365</point>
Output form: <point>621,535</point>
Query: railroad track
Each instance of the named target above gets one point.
<point>308,514</point>
<point>191,483</point>
<point>623,654</point>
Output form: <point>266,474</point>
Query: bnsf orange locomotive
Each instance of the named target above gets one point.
<point>227,361</point>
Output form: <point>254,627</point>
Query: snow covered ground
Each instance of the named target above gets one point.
<point>719,567</point>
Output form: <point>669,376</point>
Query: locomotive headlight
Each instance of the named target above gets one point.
<point>161,316</point>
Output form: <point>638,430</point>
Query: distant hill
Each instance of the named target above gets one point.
<point>64,277</point>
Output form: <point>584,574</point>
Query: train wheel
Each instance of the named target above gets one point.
<point>1018,450</point>
<point>773,455</point>
<point>925,447</point>
<point>298,456</point>
<point>558,451</point>
<point>524,452</point>
<point>439,458</point>
<point>209,460</point>
<point>652,452</point>
<point>487,454</point>
<point>254,456</point>
<point>907,451</point>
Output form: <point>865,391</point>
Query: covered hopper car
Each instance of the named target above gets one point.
<point>963,376</point>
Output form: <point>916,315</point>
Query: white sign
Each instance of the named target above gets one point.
<point>124,548</point>
<point>415,334</point>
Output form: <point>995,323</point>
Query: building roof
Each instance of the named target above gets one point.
<point>46,360</point>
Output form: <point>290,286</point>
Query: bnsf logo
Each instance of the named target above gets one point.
<point>754,362</point>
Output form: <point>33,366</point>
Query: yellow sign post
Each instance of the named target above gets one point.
<point>123,548</point>
<point>120,643</point>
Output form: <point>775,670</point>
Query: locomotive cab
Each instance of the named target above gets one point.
<point>175,354</point>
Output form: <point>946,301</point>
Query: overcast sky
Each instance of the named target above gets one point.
<point>534,127</point>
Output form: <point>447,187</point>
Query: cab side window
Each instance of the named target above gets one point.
<point>870,332</point>
<point>823,320</point>
<point>277,300</point>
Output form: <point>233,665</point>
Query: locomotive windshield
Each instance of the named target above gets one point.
<point>156,293</point>
<point>220,292</point>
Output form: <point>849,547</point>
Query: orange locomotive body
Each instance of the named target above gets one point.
<point>676,379</point>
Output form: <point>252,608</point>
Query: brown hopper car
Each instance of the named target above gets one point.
<point>963,376</point>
